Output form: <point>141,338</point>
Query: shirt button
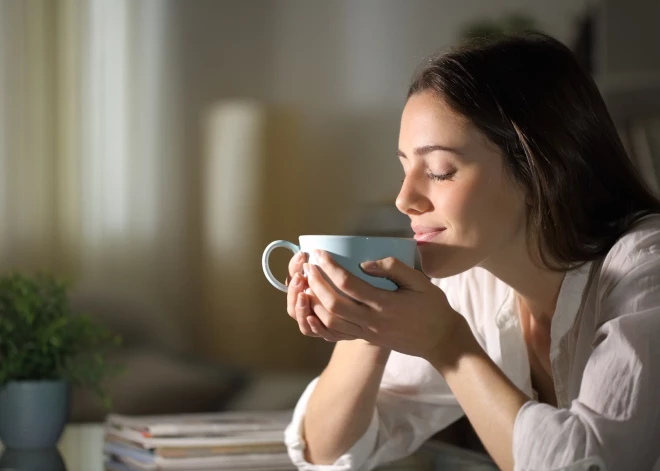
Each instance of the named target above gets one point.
<point>593,467</point>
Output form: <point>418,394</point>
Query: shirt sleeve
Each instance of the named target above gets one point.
<point>616,417</point>
<point>295,442</point>
<point>401,423</point>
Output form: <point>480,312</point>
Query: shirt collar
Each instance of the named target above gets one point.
<point>568,305</point>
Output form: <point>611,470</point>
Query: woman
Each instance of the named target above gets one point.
<point>540,320</point>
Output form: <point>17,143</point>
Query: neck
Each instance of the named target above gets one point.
<point>537,287</point>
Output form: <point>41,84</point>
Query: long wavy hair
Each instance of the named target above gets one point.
<point>531,98</point>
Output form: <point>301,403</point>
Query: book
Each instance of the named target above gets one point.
<point>114,465</point>
<point>226,439</point>
<point>431,456</point>
<point>180,451</point>
<point>223,440</point>
<point>141,459</point>
<point>202,424</point>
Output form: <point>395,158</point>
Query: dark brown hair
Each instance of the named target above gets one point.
<point>531,98</point>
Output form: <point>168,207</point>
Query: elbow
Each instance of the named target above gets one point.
<point>317,456</point>
<point>546,437</point>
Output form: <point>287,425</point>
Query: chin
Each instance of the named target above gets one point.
<point>435,271</point>
<point>443,261</point>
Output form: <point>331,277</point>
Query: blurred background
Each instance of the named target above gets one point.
<point>150,149</point>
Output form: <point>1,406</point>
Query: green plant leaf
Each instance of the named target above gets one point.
<point>41,338</point>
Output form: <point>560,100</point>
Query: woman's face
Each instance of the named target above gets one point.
<point>463,207</point>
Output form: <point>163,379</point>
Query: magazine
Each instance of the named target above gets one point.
<point>202,424</point>
<point>146,460</point>
<point>168,451</point>
<point>223,440</point>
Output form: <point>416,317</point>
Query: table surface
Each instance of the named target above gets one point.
<point>81,449</point>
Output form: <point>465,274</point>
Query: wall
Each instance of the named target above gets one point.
<point>630,38</point>
<point>342,67</point>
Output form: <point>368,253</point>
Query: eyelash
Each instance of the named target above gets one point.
<point>436,177</point>
<point>443,177</point>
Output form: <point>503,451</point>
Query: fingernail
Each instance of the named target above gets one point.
<point>306,269</point>
<point>302,300</point>
<point>369,265</point>
<point>320,255</point>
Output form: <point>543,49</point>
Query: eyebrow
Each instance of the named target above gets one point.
<point>424,150</point>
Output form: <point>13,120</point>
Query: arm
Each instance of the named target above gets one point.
<point>411,404</point>
<point>348,388</point>
<point>369,406</point>
<point>418,320</point>
<point>616,409</point>
<point>488,398</point>
<point>613,422</point>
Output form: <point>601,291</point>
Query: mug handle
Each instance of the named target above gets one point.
<point>266,265</point>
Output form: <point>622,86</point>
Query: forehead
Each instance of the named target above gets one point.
<point>426,115</point>
<point>428,120</point>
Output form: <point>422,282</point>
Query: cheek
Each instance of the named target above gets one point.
<point>464,202</point>
<point>501,210</point>
<point>479,204</point>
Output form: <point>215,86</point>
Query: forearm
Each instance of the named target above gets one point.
<point>348,387</point>
<point>489,399</point>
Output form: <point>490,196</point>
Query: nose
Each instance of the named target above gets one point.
<point>412,199</point>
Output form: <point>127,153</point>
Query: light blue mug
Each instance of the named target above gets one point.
<point>349,252</point>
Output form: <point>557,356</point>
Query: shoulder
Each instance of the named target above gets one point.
<point>640,244</point>
<point>630,272</point>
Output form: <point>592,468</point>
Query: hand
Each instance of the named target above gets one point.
<point>298,303</point>
<point>416,319</point>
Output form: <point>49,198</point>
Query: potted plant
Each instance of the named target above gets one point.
<point>45,349</point>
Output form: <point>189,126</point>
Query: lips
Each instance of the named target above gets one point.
<point>424,234</point>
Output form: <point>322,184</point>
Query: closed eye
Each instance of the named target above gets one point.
<point>442,177</point>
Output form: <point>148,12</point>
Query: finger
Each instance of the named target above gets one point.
<point>344,280</point>
<point>298,285</point>
<point>333,323</point>
<point>319,329</point>
<point>296,264</point>
<point>338,305</point>
<point>303,311</point>
<point>404,276</point>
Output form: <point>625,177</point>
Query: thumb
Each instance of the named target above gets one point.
<point>404,276</point>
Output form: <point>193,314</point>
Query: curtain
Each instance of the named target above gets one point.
<point>90,186</point>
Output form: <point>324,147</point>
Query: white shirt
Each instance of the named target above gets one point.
<point>605,357</point>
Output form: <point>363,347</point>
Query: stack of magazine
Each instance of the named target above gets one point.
<point>219,441</point>
<point>241,441</point>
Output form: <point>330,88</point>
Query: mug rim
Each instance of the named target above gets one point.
<point>356,237</point>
